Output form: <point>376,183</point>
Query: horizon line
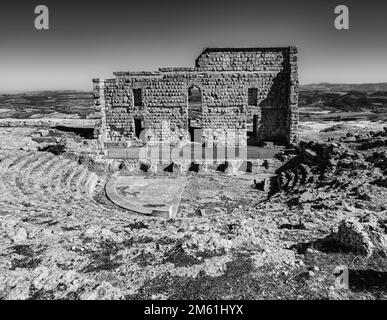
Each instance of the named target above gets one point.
<point>84,90</point>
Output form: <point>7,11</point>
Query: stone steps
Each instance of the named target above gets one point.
<point>5,161</point>
<point>19,160</point>
<point>295,176</point>
<point>11,177</point>
<point>75,183</point>
<point>37,176</point>
<point>87,188</point>
<point>41,183</point>
<point>57,179</point>
<point>33,171</point>
<point>45,181</point>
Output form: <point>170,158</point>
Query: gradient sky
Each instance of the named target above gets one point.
<point>92,39</point>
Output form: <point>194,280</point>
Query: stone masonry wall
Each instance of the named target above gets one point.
<point>223,77</point>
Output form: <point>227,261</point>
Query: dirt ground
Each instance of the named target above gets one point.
<point>61,238</point>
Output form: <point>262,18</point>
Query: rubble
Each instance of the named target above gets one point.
<point>352,235</point>
<point>61,238</point>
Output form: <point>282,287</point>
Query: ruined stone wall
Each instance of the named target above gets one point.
<point>224,77</point>
<point>273,71</point>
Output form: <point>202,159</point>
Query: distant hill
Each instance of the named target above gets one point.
<point>337,87</point>
<point>44,103</point>
<point>352,101</point>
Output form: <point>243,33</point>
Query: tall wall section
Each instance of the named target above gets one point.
<point>224,77</point>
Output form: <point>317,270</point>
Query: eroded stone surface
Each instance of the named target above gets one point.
<point>60,238</point>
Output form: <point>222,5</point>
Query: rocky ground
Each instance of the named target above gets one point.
<point>61,238</point>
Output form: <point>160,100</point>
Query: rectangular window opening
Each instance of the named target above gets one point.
<point>253,97</point>
<point>137,97</point>
<point>137,127</point>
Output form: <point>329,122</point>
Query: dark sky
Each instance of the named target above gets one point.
<point>92,39</point>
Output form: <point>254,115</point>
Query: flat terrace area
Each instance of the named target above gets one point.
<point>193,152</point>
<point>150,196</point>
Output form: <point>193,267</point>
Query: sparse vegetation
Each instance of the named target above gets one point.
<point>61,238</point>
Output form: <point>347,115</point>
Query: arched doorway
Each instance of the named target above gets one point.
<point>194,112</point>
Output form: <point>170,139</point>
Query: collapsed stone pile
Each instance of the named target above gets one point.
<point>345,180</point>
<point>365,236</point>
<point>330,163</point>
